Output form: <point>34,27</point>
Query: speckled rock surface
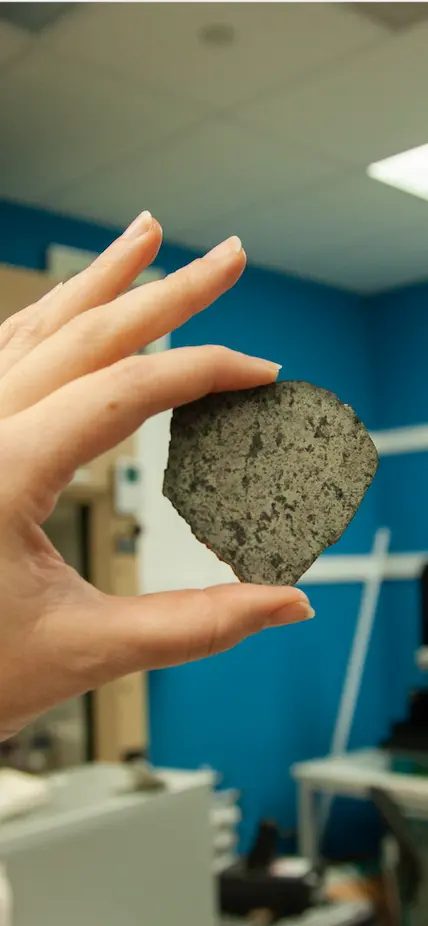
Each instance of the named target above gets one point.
<point>269,477</point>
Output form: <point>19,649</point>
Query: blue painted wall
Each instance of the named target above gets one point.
<point>272,701</point>
<point>399,339</point>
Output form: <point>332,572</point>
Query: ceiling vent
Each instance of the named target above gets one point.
<point>33,17</point>
<point>395,16</point>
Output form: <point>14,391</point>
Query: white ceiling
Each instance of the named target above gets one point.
<point>120,107</point>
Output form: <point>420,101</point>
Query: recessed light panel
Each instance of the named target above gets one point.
<point>407,171</point>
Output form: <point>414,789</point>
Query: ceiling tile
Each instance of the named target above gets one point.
<point>361,110</point>
<point>339,210</point>
<point>289,255</point>
<point>63,119</point>
<point>33,17</point>
<point>348,232</point>
<point>158,44</point>
<point>395,15</point>
<point>112,112</point>
<point>13,41</point>
<point>378,262</point>
<point>214,170</point>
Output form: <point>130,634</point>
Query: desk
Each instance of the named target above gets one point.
<point>352,775</point>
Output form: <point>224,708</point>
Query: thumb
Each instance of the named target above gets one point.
<point>170,628</point>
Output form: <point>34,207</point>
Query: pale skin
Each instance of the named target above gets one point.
<point>70,389</point>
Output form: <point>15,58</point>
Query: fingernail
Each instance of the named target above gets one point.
<point>270,365</point>
<point>225,249</point>
<point>293,613</point>
<point>139,226</point>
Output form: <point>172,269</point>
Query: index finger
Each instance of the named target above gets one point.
<point>87,417</point>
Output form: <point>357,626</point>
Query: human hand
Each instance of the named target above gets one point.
<point>69,391</point>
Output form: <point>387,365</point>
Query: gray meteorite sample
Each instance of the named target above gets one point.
<point>268,478</point>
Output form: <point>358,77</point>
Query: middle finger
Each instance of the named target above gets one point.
<point>109,274</point>
<point>112,332</point>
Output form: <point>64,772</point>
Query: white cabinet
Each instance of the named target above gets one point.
<point>98,857</point>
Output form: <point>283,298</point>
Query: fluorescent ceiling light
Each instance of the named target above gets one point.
<point>407,171</point>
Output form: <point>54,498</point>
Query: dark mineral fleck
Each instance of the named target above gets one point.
<point>269,477</point>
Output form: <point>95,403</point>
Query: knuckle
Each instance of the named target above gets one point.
<point>21,329</point>
<point>128,373</point>
<point>16,469</point>
<point>7,329</point>
<point>217,354</point>
<point>97,270</point>
<point>206,640</point>
<point>185,285</point>
<point>211,642</point>
<point>28,334</point>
